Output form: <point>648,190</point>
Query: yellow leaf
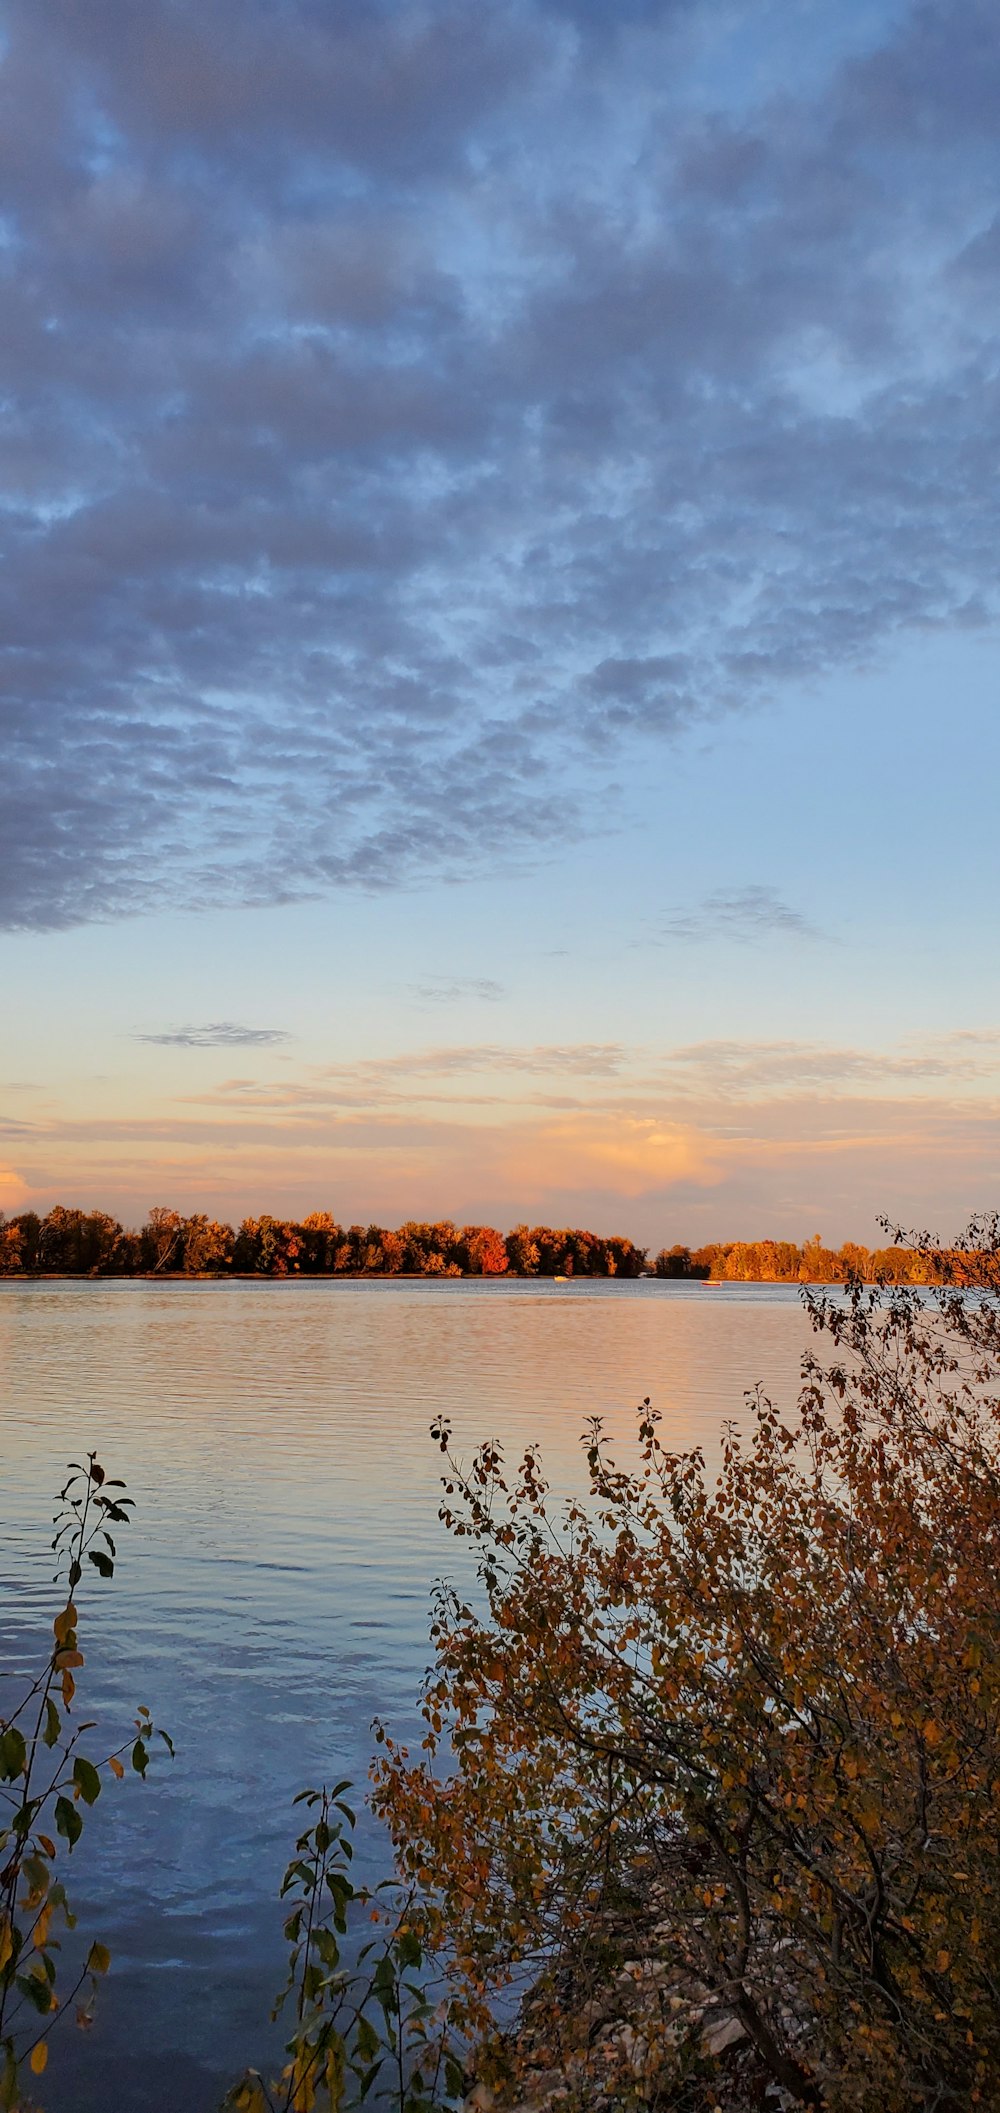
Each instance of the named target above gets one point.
<point>64,1623</point>
<point>943,1962</point>
<point>334,2078</point>
<point>39,2057</point>
<point>249,2095</point>
<point>98,1959</point>
<point>932,1732</point>
<point>115,1766</point>
<point>6,1944</point>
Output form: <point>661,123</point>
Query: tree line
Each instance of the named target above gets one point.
<point>92,1243</point>
<point>784,1262</point>
<point>71,1242</point>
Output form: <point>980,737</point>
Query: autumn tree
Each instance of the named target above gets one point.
<point>522,1252</point>
<point>11,1248</point>
<point>678,1261</point>
<point>267,1247</point>
<point>83,1243</point>
<point>622,1258</point>
<point>428,1250</point>
<point>28,1226</point>
<point>480,1252</point>
<point>161,1239</point>
<point>207,1246</point>
<point>320,1236</point>
<point>820,1265</point>
<point>730,1743</point>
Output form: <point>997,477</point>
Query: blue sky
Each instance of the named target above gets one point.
<point>499,611</point>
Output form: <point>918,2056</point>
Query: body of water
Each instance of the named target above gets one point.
<point>272,1593</point>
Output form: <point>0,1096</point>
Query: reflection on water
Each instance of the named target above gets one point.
<point>274,1595</point>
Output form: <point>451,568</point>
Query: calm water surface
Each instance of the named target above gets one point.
<point>272,1596</point>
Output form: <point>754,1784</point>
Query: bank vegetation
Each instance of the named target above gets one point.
<point>74,1242</point>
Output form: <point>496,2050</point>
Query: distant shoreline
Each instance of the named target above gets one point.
<point>396,1276</point>
<point>168,1247</point>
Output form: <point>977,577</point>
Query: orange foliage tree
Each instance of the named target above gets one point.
<point>736,1737</point>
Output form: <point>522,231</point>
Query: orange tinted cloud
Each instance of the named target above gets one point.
<point>626,1154</point>
<point>13,1190</point>
<point>722,1138</point>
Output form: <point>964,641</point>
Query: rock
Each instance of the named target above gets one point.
<point>722,2033</point>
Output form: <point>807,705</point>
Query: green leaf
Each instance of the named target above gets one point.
<point>140,1758</point>
<point>35,1990</point>
<point>87,1780</point>
<point>408,1949</point>
<point>454,2077</point>
<point>36,1871</point>
<point>8,2079</point>
<point>13,1754</point>
<point>368,2041</point>
<point>53,1725</point>
<point>102,1562</point>
<point>384,1982</point>
<point>68,1821</point>
<point>328,1948</point>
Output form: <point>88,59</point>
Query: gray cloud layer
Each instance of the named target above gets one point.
<point>451,990</point>
<point>407,407</point>
<point>218,1034</point>
<point>742,914</point>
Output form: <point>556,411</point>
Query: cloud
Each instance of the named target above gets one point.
<point>564,1059</point>
<point>743,914</point>
<point>642,1164</point>
<point>410,409</point>
<point>733,1070</point>
<point>450,990</point>
<point>219,1034</point>
<point>620,1154</point>
<point>721,1138</point>
<point>703,1081</point>
<point>13,1190</point>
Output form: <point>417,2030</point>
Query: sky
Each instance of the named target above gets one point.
<point>498,611</point>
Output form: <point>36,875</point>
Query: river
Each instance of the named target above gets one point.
<point>272,1593</point>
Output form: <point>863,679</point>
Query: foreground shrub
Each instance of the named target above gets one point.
<point>47,1785</point>
<point>367,2023</point>
<point>733,1743</point>
<point>371,2032</point>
